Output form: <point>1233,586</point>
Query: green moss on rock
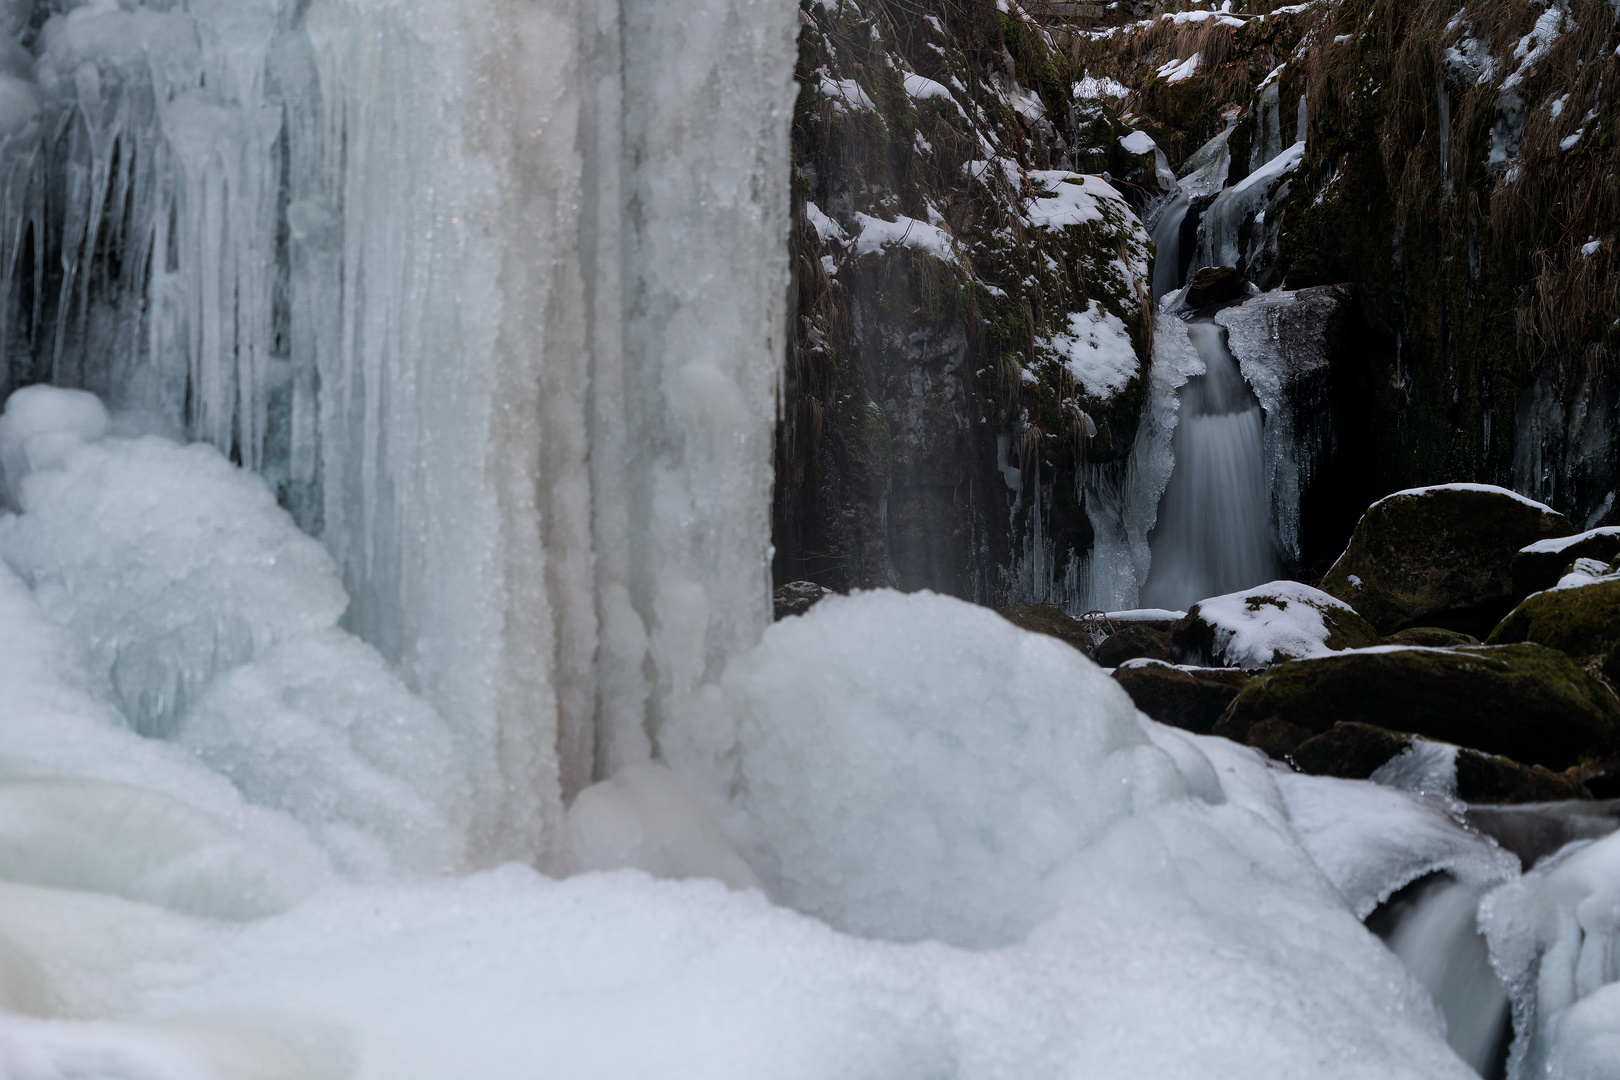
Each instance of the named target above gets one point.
<point>1580,622</point>
<point>1526,702</point>
<point>1170,695</point>
<point>1439,557</point>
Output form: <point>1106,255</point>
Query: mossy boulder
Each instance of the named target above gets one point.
<point>1526,702</point>
<point>1133,642</point>
<point>1349,749</point>
<point>1429,637</point>
<point>1440,556</point>
<point>1540,565</point>
<point>1051,621</point>
<point>1583,621</point>
<point>1255,628</point>
<point>1356,751</point>
<point>1487,778</point>
<point>1190,700</point>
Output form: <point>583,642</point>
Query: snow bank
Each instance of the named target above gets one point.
<point>971,758</point>
<point>1073,199</point>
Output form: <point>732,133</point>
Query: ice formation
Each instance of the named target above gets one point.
<point>490,296</point>
<point>525,258</point>
<point>1555,936</point>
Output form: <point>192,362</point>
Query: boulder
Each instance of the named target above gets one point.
<point>1255,628</point>
<point>1356,751</point>
<point>1611,668</point>
<point>1540,565</point>
<point>1440,556</point>
<point>1487,778</point>
<point>1429,637</point>
<point>1190,700</point>
<point>1349,749</point>
<point>1582,621</point>
<point>1131,642</point>
<point>1526,702</point>
<point>797,597</point>
<point>1051,621</point>
<point>1213,284</point>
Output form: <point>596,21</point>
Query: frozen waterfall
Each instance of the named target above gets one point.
<point>492,294</point>
<point>1214,533</point>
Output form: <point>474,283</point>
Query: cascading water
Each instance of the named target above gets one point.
<point>1167,241</point>
<point>1433,927</point>
<point>1214,530</point>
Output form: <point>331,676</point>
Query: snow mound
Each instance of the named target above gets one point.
<point>972,759</point>
<point>1488,488</point>
<point>1285,618</point>
<point>170,563</point>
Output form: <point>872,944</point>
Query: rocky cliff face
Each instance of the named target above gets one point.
<point>973,321</point>
<point>973,343</point>
<point>1458,168</point>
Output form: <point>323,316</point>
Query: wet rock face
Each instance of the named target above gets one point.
<point>1439,557</point>
<point>1192,701</point>
<point>1525,702</point>
<point>1581,622</point>
<point>1213,284</point>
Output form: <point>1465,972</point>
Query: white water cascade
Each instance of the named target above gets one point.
<point>1214,533</point>
<point>1167,242</point>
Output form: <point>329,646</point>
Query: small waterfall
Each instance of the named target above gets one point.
<point>1432,925</point>
<point>1167,239</point>
<point>1214,528</point>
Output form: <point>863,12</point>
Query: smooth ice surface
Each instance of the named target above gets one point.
<point>1371,840</point>
<point>1213,532</point>
<point>1555,936</point>
<point>1282,618</point>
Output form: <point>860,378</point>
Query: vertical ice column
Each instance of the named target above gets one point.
<point>493,292</point>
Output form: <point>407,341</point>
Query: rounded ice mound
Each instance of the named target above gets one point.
<point>912,766</point>
<point>41,425</point>
<point>169,563</point>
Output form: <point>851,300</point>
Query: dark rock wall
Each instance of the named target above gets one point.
<point>929,429</point>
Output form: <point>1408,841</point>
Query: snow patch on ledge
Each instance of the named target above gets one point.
<point>877,234</point>
<point>1071,199</point>
<point>1097,350</point>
